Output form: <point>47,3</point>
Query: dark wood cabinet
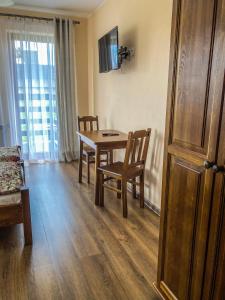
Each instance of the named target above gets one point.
<point>192,233</point>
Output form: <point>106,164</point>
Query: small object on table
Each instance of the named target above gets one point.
<point>110,133</point>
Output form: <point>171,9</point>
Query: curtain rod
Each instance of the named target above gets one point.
<point>30,17</point>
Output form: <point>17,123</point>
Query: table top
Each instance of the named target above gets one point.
<point>97,137</point>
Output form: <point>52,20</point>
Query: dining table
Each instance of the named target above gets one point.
<point>100,140</point>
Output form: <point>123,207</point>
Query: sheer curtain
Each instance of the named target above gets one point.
<point>66,91</point>
<point>28,107</point>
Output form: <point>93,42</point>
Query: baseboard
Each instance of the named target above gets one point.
<point>148,203</point>
<point>158,291</point>
<point>151,206</point>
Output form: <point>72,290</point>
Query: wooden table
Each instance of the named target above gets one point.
<point>98,142</point>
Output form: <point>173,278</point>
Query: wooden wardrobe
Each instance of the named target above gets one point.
<point>192,234</point>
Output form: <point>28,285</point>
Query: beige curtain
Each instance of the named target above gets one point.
<point>66,89</point>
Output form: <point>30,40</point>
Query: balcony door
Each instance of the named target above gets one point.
<point>33,64</point>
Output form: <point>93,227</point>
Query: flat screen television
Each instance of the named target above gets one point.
<point>108,51</point>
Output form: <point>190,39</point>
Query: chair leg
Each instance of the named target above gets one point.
<point>88,169</point>
<point>134,189</point>
<point>26,217</point>
<point>101,192</point>
<point>124,197</point>
<point>142,182</point>
<point>119,188</point>
<point>81,162</point>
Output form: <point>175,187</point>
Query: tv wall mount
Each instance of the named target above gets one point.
<point>125,53</point>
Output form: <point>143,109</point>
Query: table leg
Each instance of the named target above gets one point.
<point>81,161</point>
<point>97,164</point>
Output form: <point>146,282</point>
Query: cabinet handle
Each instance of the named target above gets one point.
<point>208,164</point>
<point>218,169</point>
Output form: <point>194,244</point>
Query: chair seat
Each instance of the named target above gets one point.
<point>90,151</point>
<point>116,169</point>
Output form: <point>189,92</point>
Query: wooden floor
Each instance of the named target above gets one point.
<point>80,251</point>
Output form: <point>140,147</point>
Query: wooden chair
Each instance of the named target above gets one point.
<point>127,171</point>
<point>90,123</point>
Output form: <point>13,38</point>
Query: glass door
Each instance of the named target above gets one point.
<point>35,89</point>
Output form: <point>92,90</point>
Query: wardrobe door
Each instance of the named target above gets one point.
<point>192,126</point>
<point>214,287</point>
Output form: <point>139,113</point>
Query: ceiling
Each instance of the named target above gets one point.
<point>86,6</point>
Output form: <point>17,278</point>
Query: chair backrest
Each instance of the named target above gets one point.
<point>89,123</point>
<point>137,148</point>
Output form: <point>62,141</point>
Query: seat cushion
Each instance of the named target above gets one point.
<point>10,177</point>
<point>9,153</point>
<point>12,199</point>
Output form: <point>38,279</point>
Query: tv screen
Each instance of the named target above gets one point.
<point>108,51</point>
